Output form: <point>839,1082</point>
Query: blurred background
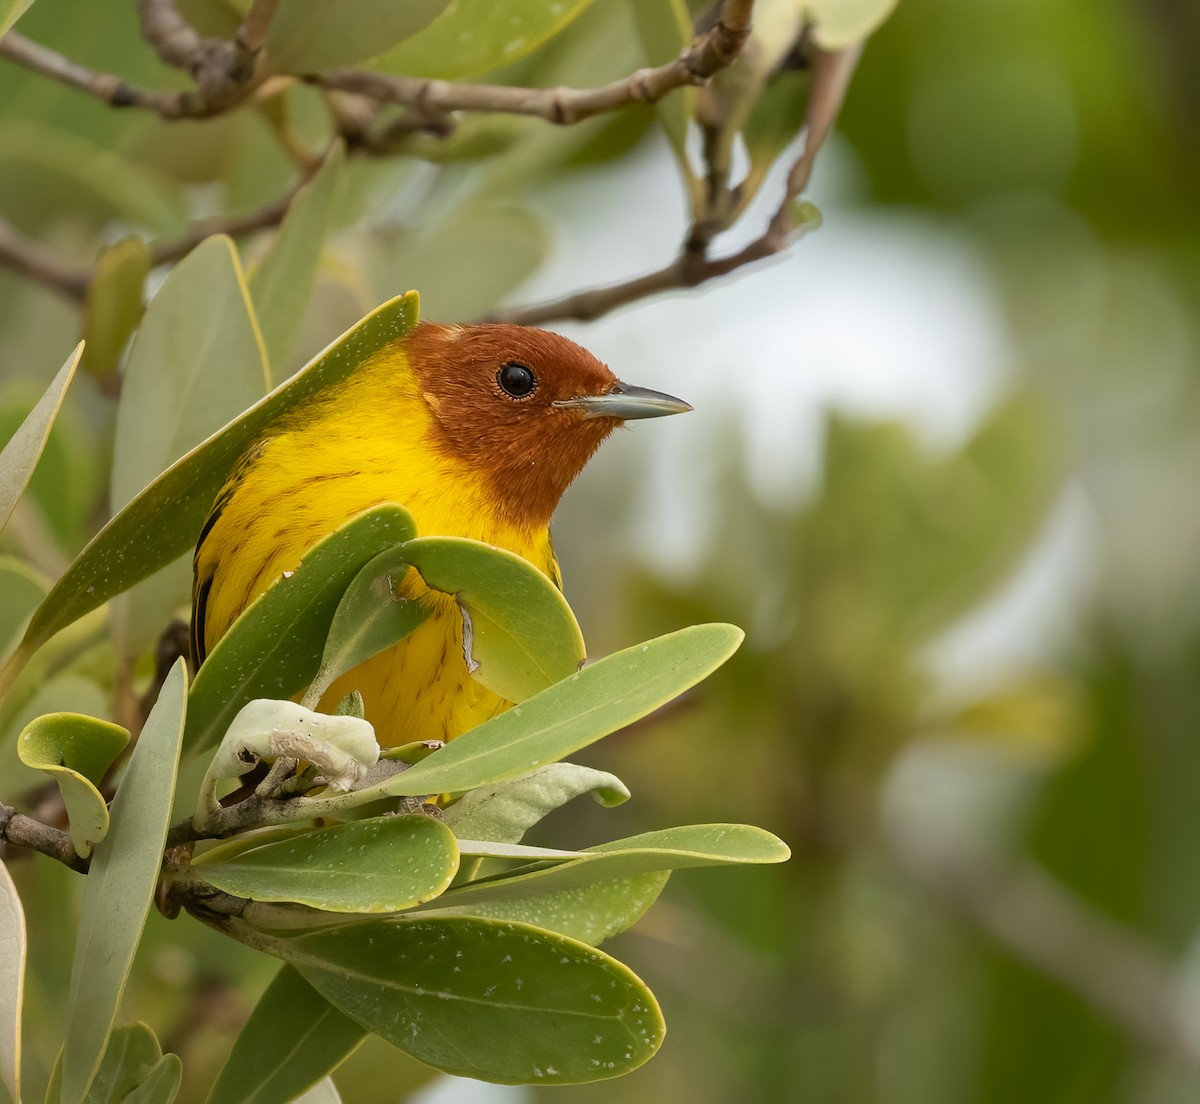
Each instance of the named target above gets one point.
<point>943,468</point>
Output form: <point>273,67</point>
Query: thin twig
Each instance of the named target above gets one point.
<point>270,214</point>
<point>831,77</point>
<point>690,269</point>
<point>252,34</point>
<point>32,259</point>
<point>1044,923</point>
<point>103,86</point>
<point>19,830</point>
<point>711,52</point>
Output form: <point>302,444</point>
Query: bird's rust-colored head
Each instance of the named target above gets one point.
<point>525,406</point>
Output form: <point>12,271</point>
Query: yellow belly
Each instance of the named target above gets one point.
<point>298,486</point>
<point>420,689</point>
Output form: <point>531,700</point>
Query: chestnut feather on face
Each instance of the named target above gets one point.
<point>526,407</point>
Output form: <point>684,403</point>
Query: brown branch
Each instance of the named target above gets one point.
<point>225,72</point>
<point>711,52</point>
<point>691,268</point>
<point>271,214</point>
<point>252,34</point>
<point>103,86</point>
<point>19,830</point>
<point>832,71</point>
<point>1041,921</point>
<point>32,259</point>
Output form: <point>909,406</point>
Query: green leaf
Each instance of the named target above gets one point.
<point>603,697</point>
<point>75,750</point>
<point>274,648</point>
<point>473,36</point>
<point>114,303</point>
<point>368,619</point>
<point>163,522</point>
<point>775,119</point>
<point>294,1037</point>
<point>161,1085</point>
<point>97,173</point>
<point>670,849</point>
<point>20,455</point>
<point>186,378</point>
<point>197,362</point>
<point>505,812</point>
<point>519,631</point>
<point>487,999</point>
<point>606,889</point>
<point>841,23</point>
<point>11,11</point>
<point>341,747</point>
<point>120,886</point>
<point>665,28</point>
<point>282,284</point>
<point>134,1070</point>
<point>12,983</point>
<point>21,589</point>
<point>591,912</point>
<point>505,241</point>
<point>323,1092</point>
<point>380,865</point>
<point>310,35</point>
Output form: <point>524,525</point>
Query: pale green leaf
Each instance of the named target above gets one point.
<point>368,619</point>
<point>505,241</point>
<point>114,303</point>
<point>274,648</point>
<point>163,522</point>
<point>12,983</point>
<point>11,11</point>
<point>134,1070</point>
<point>133,191</point>
<point>294,1037</point>
<point>603,697</point>
<point>519,632</point>
<point>505,812</point>
<point>590,912</point>
<point>186,378</point>
<point>196,363</point>
<point>20,455</point>
<point>120,886</point>
<point>41,693</point>
<point>21,589</point>
<point>487,999</point>
<point>323,1092</point>
<point>161,1085</point>
<point>76,751</point>
<point>340,746</point>
<point>665,30</point>
<point>473,36</point>
<point>310,35</point>
<point>841,23</point>
<point>384,864</point>
<point>282,284</point>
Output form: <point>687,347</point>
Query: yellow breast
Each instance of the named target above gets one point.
<point>367,442</point>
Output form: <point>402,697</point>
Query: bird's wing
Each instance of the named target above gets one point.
<point>552,568</point>
<point>202,576</point>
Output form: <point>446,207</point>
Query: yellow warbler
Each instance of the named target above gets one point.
<point>477,431</point>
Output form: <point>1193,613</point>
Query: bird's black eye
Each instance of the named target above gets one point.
<point>516,379</point>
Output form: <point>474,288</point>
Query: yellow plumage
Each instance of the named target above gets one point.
<point>477,431</point>
<point>369,441</point>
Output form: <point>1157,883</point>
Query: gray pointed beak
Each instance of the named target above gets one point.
<point>625,401</point>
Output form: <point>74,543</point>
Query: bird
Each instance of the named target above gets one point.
<point>477,430</point>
